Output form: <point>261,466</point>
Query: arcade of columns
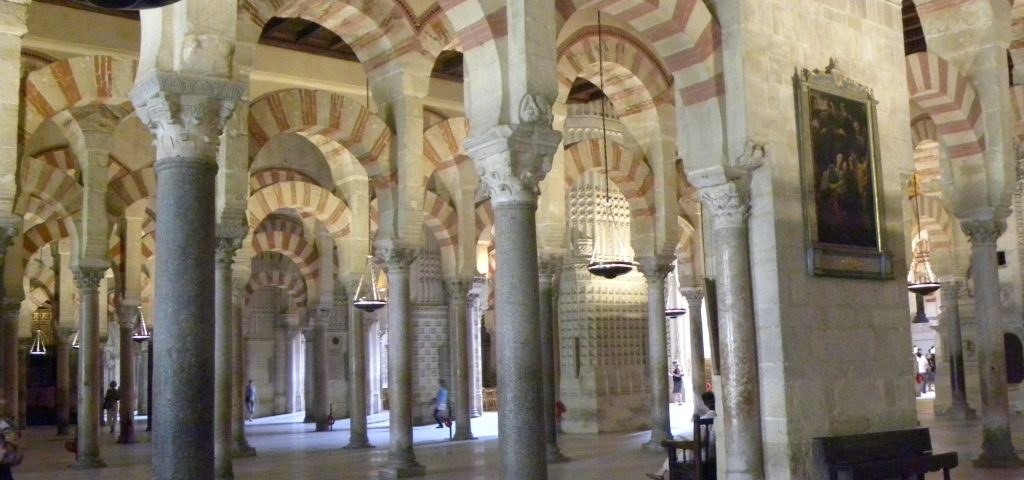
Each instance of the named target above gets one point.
<point>268,199</point>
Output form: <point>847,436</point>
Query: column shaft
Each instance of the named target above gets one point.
<point>357,378</point>
<point>461,373</point>
<point>127,390</point>
<point>401,459</point>
<point>320,401</point>
<point>694,298</point>
<point>520,386</point>
<point>11,380</point>
<point>548,268</point>
<point>955,351</point>
<point>90,387</point>
<point>997,445</point>
<point>63,382</point>
<point>741,402</point>
<point>238,382</point>
<point>657,352</point>
<point>223,358</point>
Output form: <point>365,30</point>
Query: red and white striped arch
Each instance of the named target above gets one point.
<point>442,147</point>
<point>628,170</point>
<point>939,222</point>
<point>62,159</point>
<point>938,88</point>
<point>130,188</point>
<point>272,175</point>
<point>46,191</point>
<point>291,282</point>
<point>304,197</point>
<point>484,221</point>
<point>923,128</point>
<point>74,82</point>
<point>41,235</point>
<point>41,280</point>
<point>315,112</point>
<point>436,34</point>
<point>287,237</point>
<point>379,31</point>
<point>443,222</point>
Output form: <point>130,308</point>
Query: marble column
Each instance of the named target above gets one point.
<point>90,387</point>
<point>548,268</point>
<point>238,382</point>
<point>512,160</point>
<point>281,373</point>
<point>740,415</point>
<point>11,381</point>
<point>142,378</point>
<point>655,270</point>
<point>694,298</point>
<point>462,380</point>
<point>960,409</point>
<point>997,445</point>
<point>223,449</point>
<point>127,319</point>
<point>63,341</point>
<point>186,114</point>
<point>401,459</point>
<point>319,347</point>
<point>357,376</point>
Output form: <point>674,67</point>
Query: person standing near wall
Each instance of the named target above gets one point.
<point>110,400</point>
<point>677,382</point>
<point>250,401</point>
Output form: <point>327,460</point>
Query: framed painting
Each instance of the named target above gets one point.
<point>839,168</point>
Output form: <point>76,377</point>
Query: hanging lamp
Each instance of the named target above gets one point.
<point>598,264</point>
<point>369,297</point>
<point>141,333</point>
<point>38,344</point>
<point>74,341</point>
<point>126,4</point>
<point>921,279</point>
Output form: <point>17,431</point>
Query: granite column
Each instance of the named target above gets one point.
<point>655,270</point>
<point>87,280</point>
<point>238,382</point>
<point>959,409</point>
<point>462,379</point>
<point>997,444</point>
<point>11,381</point>
<point>223,450</point>
<point>319,340</point>
<point>127,317</point>
<point>694,297</point>
<point>358,438</point>
<point>64,337</point>
<point>548,269</point>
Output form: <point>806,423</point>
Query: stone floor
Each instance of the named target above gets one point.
<point>289,450</point>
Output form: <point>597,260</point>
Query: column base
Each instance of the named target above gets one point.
<point>322,427</point>
<point>959,411</point>
<point>555,455</point>
<point>463,436</point>
<point>986,460</point>
<point>89,463</point>
<point>229,475</point>
<point>127,434</point>
<point>242,449</point>
<point>358,445</point>
<point>309,418</point>
<point>404,471</point>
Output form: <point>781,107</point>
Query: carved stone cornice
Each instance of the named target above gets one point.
<point>457,289</point>
<point>654,269</point>
<point>186,113</point>
<point>983,232</point>
<point>88,278</point>
<point>728,204</point>
<point>226,248</point>
<point>511,160</point>
<point>398,258</point>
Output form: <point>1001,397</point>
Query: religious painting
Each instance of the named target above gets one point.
<point>838,141</point>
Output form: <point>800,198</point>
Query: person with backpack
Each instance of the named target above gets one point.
<point>110,400</point>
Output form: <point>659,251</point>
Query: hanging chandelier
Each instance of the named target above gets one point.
<point>921,280</point>
<point>38,344</point>
<point>599,264</point>
<point>74,341</point>
<point>141,333</point>
<point>369,295</point>
<point>126,4</point>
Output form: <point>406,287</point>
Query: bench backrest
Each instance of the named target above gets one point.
<point>875,446</point>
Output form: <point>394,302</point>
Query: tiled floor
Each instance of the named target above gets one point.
<point>292,451</point>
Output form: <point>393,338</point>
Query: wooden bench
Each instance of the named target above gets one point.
<point>904,454</point>
<point>697,459</point>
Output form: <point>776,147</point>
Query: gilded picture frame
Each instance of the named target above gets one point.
<point>840,176</point>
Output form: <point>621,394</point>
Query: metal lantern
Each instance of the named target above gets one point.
<point>74,341</point>
<point>921,279</point>
<point>126,4</point>
<point>38,344</point>
<point>369,295</point>
<point>141,333</point>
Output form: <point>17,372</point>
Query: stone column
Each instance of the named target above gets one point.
<point>357,376</point>
<point>13,14</point>
<point>186,114</point>
<point>127,319</point>
<point>224,340</point>
<point>319,348</point>
<point>401,459</point>
<point>655,270</point>
<point>90,388</point>
<point>997,445</point>
<point>11,380</point>
<point>740,405</point>
<point>512,160</point>
<point>548,267</point>
<point>238,382</point>
<point>281,374</point>
<point>950,292</point>
<point>694,297</point>
<point>63,342</point>
<point>462,379</point>
<point>142,378</point>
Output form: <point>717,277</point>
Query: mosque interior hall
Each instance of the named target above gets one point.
<point>521,239</point>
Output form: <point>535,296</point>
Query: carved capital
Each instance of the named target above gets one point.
<point>186,113</point>
<point>535,109</point>
<point>654,269</point>
<point>693,296</point>
<point>511,161</point>
<point>457,289</point>
<point>728,204</point>
<point>983,232</point>
<point>548,266</point>
<point>322,316</point>
<point>88,278</point>
<point>226,248</point>
<point>127,316</point>
<point>397,258</point>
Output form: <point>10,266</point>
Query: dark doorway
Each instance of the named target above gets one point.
<point>1014,358</point>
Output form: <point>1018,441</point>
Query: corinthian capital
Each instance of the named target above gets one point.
<point>654,268</point>
<point>983,232</point>
<point>226,248</point>
<point>693,295</point>
<point>728,204</point>
<point>88,277</point>
<point>397,258</point>
<point>186,113</point>
<point>457,288</point>
<point>512,160</point>
<point>548,266</point>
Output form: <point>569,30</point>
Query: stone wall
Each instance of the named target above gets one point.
<point>832,351</point>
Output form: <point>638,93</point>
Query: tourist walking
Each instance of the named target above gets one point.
<point>110,400</point>
<point>677,382</point>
